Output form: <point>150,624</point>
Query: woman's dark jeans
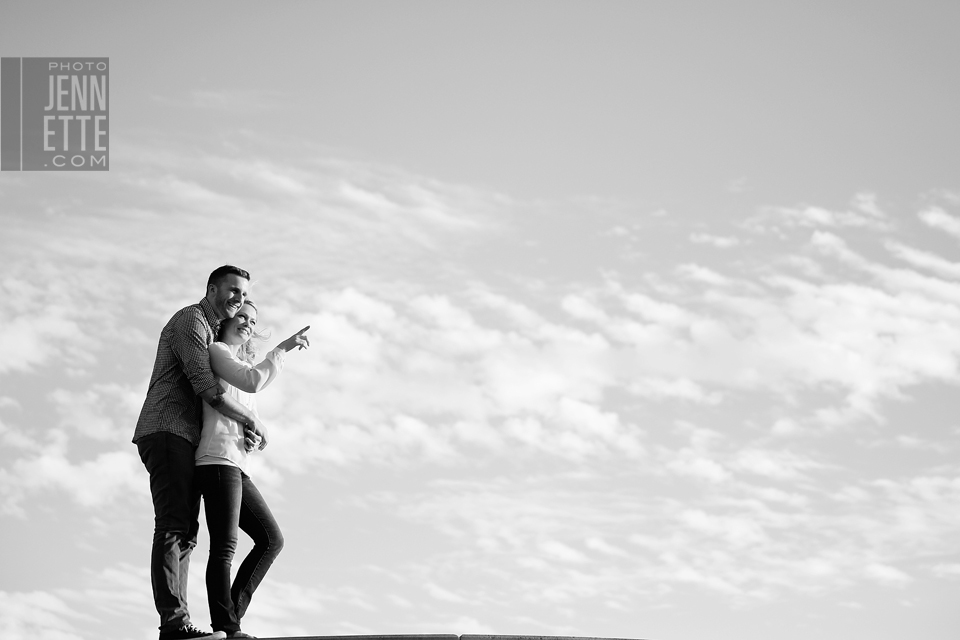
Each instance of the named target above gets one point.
<point>232,501</point>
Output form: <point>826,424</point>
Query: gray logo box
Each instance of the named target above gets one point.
<point>64,106</point>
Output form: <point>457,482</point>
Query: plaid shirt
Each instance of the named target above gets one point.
<point>180,374</point>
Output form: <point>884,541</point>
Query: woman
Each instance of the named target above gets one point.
<point>231,500</point>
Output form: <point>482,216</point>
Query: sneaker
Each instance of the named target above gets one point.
<point>241,634</point>
<point>190,632</point>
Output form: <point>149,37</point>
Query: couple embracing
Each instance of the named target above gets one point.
<point>198,426</point>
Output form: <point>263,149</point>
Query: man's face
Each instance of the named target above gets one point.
<point>228,296</point>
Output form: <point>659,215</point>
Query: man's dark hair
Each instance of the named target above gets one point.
<point>222,272</point>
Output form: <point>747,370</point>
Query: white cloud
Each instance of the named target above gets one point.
<point>410,200</point>
<point>940,219</point>
<point>459,333</point>
<point>867,203</point>
<point>681,388</point>
<point>513,310</point>
<point>85,413</point>
<point>557,550</point>
<point>515,419</point>
<point>708,579</point>
<point>703,274</point>
<point>285,608</point>
<point>441,593</point>
<point>94,482</point>
<point>600,545</point>
<point>912,442</point>
<point>599,426</point>
<point>466,625</point>
<point>721,242</point>
<point>865,214</point>
<point>779,496</point>
<point>738,185</point>
<point>946,570</point>
<point>37,614</point>
<point>779,465</point>
<point>739,532</point>
<point>27,342</point>
<point>887,575</point>
<point>925,260</point>
<point>688,463</point>
<point>366,309</point>
<point>655,310</point>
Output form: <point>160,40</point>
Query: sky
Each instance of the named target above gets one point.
<point>628,319</point>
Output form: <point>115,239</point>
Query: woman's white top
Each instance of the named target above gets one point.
<point>221,440</point>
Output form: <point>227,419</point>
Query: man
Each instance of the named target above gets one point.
<point>168,432</point>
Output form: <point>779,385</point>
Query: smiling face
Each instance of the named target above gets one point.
<point>227,297</point>
<point>239,329</point>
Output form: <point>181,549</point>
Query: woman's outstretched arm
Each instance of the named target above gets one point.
<point>253,378</point>
<point>242,375</point>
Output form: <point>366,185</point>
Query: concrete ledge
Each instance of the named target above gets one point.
<point>444,636</point>
<point>498,637</point>
<point>426,636</point>
<point>471,637</point>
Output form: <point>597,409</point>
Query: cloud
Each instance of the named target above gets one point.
<point>440,593</point>
<point>94,482</point>
<point>720,242</point>
<point>600,545</point>
<point>557,550</point>
<point>681,388</point>
<point>31,341</point>
<point>939,219</point>
<point>789,334</point>
<point>365,309</point>
<point>887,575</point>
<point>429,358</point>
<point>949,571</point>
<point>87,413</point>
<point>912,442</point>
<point>865,213</point>
<point>740,548</point>
<point>778,464</point>
<point>37,614</point>
<point>738,185</point>
<point>703,274</point>
<point>393,357</point>
<point>535,436</point>
<point>692,464</point>
<point>925,260</point>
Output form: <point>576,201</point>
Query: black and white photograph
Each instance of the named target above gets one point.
<point>608,319</point>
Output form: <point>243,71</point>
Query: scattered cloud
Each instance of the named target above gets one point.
<point>925,260</point>
<point>939,219</point>
<point>37,614</point>
<point>628,433</point>
<point>864,213</point>
<point>720,242</point>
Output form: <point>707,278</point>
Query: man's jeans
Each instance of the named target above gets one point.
<point>232,501</point>
<point>176,505</point>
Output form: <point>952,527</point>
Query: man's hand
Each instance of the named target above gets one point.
<point>250,440</point>
<point>255,435</point>
<point>296,340</point>
<point>231,408</point>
